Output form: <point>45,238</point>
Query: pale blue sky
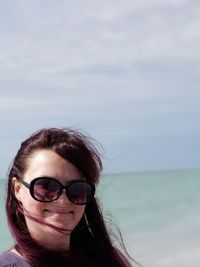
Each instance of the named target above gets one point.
<point>127,72</point>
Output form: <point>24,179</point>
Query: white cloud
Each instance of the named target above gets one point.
<point>118,68</point>
<point>55,42</point>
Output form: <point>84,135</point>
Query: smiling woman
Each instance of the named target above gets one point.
<point>51,207</point>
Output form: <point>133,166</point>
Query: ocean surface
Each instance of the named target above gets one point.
<point>158,213</point>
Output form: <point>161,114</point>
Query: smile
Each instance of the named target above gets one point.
<point>60,213</point>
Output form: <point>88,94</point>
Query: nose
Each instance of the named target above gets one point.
<point>63,197</point>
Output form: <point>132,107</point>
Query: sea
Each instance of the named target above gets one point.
<point>157,213</point>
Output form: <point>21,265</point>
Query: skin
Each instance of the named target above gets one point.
<point>61,212</point>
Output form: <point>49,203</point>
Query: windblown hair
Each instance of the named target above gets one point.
<point>90,243</point>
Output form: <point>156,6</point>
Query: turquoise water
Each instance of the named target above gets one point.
<point>158,214</point>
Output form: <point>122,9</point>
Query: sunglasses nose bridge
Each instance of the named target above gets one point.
<point>63,194</point>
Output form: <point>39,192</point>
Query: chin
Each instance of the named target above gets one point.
<point>61,227</point>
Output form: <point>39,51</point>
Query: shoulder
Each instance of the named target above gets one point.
<point>10,259</point>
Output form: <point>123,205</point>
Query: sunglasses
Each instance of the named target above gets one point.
<point>47,189</point>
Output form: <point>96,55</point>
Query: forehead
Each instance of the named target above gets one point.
<point>48,163</point>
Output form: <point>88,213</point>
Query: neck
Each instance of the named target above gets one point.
<point>56,243</point>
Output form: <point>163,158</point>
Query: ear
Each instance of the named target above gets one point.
<point>17,187</point>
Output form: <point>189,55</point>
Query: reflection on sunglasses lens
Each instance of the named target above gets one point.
<point>46,190</point>
<point>79,193</point>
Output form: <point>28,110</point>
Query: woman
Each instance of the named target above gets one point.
<point>51,209</point>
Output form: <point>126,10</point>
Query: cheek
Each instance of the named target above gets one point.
<point>32,206</point>
<point>80,211</point>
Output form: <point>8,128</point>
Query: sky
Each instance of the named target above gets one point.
<point>126,72</point>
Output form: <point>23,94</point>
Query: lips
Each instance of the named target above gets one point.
<point>60,213</point>
<point>63,213</point>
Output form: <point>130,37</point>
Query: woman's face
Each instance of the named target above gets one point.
<point>61,212</point>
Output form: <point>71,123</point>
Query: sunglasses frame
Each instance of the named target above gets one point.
<point>62,187</point>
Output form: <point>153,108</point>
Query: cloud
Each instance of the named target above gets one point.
<point>70,39</point>
<point>123,70</point>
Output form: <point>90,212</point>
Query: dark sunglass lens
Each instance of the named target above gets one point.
<point>46,189</point>
<point>80,192</point>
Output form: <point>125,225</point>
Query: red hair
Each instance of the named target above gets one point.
<point>90,241</point>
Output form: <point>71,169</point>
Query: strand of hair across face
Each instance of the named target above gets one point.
<point>27,214</point>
